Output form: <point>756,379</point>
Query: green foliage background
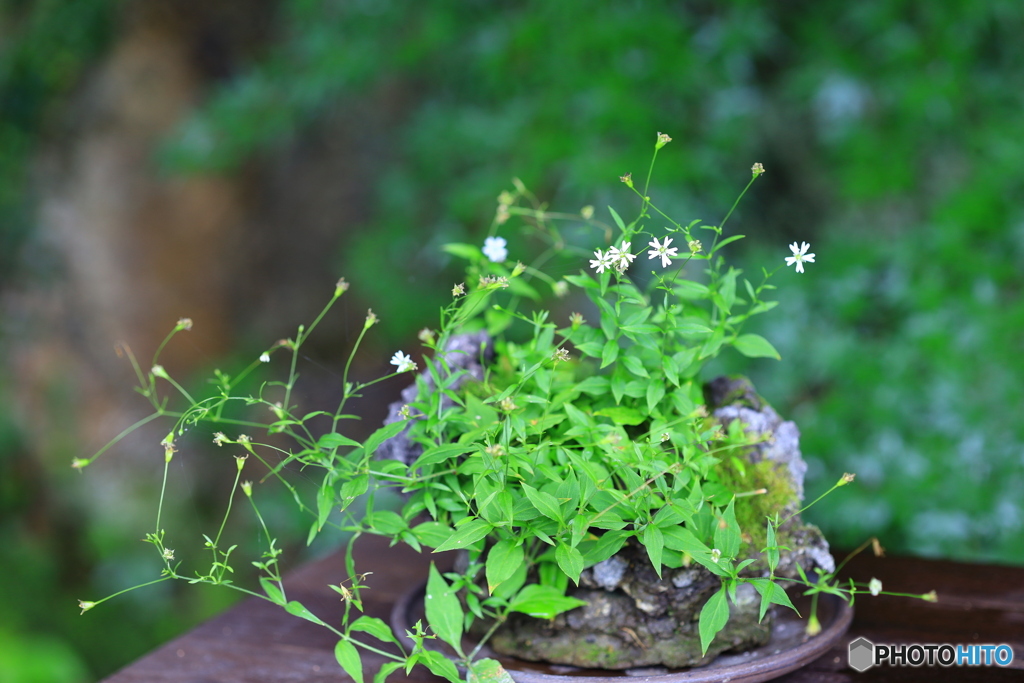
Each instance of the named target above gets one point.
<point>892,138</point>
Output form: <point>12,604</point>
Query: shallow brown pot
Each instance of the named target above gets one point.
<point>789,649</point>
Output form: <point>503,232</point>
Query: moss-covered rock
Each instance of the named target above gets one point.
<point>633,618</point>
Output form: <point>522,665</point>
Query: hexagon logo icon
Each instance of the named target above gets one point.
<point>862,654</point>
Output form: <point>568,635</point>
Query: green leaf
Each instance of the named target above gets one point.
<point>755,346</point>
<point>771,592</point>
<point>502,561</point>
<point>432,534</point>
<point>324,501</point>
<point>382,435</point>
<point>272,590</point>
<point>688,289</point>
<point>570,561</point>
<point>443,609</point>
<point>386,670</point>
<point>713,343</point>
<point>727,532</point>
<point>375,627</point>
<point>488,671</point>
<point>386,522</point>
<point>582,281</point>
<point>466,535</point>
<point>595,385</point>
<point>440,665</point>
<point>544,502</point>
<point>655,392</point>
<point>635,366</point>
<point>682,539</point>
<point>654,541</point>
<point>617,219</point>
<point>543,602</point>
<point>441,453</point>
<point>713,617</point>
<point>607,545</point>
<point>622,415</point>
<point>348,656</point>
<point>470,252</point>
<point>355,487</point>
<point>726,241</point>
<point>296,608</point>
<point>334,440</point>
<point>610,352</point>
<point>771,550</point>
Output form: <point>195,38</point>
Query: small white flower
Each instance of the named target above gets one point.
<point>662,250</point>
<point>716,555</point>
<point>620,257</point>
<point>494,249</point>
<point>602,261</point>
<point>875,586</point>
<point>264,357</point>
<point>800,256</point>
<point>404,362</point>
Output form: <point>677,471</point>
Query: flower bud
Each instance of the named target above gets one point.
<point>663,140</point>
<point>340,287</point>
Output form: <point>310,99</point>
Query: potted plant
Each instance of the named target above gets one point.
<point>574,457</point>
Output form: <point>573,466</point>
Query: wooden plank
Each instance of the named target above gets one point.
<point>257,642</point>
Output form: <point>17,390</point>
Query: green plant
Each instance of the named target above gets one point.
<point>572,440</point>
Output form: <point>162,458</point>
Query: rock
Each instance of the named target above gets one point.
<point>462,352</point>
<point>778,442</point>
<point>639,620</point>
<point>633,618</point>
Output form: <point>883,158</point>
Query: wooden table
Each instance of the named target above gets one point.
<point>256,642</point>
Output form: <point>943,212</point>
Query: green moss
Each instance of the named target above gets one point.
<point>740,476</point>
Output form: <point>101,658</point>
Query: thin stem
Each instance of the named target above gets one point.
<point>126,432</point>
<point>163,490</point>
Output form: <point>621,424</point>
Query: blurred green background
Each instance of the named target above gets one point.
<point>229,160</point>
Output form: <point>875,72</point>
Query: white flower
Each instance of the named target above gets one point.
<point>494,249</point>
<point>404,362</point>
<point>620,257</point>
<point>601,261</point>
<point>875,586</point>
<point>662,250</point>
<point>800,256</point>
<point>264,357</point>
<point>716,555</point>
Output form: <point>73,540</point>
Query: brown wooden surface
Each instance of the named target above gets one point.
<point>256,642</point>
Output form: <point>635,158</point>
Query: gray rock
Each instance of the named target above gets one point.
<point>463,352</point>
<point>633,618</point>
